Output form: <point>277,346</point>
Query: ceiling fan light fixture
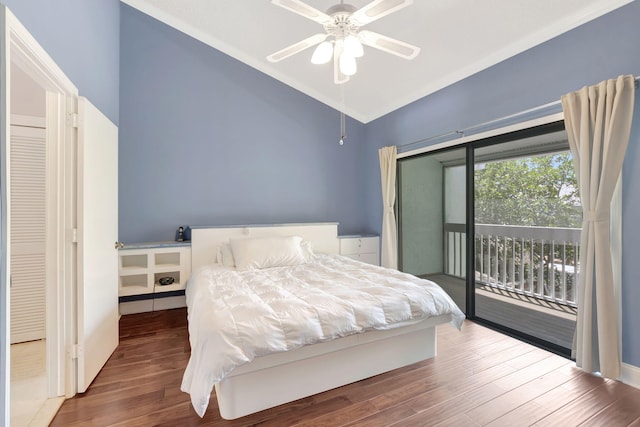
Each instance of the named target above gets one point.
<point>323,53</point>
<point>348,65</point>
<point>352,46</point>
<point>342,25</point>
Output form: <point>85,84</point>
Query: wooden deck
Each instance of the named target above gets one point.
<point>479,377</point>
<point>546,320</point>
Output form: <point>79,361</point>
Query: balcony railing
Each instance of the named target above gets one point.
<point>536,261</point>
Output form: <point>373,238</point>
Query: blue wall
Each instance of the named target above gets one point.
<point>599,50</point>
<point>207,140</point>
<point>82,37</point>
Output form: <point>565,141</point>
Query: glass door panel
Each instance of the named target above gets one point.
<point>527,235</point>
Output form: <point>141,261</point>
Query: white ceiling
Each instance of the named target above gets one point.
<point>457,38</point>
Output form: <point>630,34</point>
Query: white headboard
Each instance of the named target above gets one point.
<point>204,240</point>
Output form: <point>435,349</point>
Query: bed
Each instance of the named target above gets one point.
<point>293,328</point>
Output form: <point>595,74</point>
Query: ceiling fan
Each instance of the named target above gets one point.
<point>343,37</point>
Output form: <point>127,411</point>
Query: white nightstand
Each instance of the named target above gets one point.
<point>141,265</point>
<point>362,247</point>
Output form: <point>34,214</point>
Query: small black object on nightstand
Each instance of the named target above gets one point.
<point>166,280</point>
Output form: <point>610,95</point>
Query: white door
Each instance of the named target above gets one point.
<point>4,220</point>
<point>28,233</point>
<point>97,234</point>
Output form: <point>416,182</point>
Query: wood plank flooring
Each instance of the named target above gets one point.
<point>479,377</point>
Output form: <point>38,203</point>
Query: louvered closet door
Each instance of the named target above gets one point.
<point>28,221</point>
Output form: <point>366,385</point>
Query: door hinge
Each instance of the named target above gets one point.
<point>73,235</point>
<point>72,120</point>
<point>76,351</point>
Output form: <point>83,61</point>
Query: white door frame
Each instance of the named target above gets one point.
<point>24,51</point>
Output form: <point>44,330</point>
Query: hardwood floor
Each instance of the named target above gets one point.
<point>479,377</point>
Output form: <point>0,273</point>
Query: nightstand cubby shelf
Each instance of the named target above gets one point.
<point>362,247</point>
<point>142,265</point>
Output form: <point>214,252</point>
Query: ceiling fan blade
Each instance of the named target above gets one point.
<point>389,45</point>
<point>376,10</point>
<point>338,76</point>
<point>303,9</point>
<point>297,47</point>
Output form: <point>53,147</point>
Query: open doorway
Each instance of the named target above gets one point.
<point>28,258</point>
<point>431,201</point>
<point>33,120</point>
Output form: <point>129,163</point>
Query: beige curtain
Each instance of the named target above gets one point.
<point>598,123</point>
<point>389,241</point>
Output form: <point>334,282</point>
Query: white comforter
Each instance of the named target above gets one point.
<point>237,316</point>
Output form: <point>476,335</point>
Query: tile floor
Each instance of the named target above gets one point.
<point>29,404</point>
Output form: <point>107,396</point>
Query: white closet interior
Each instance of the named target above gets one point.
<point>28,233</point>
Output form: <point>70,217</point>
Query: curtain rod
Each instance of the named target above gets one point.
<point>465,131</point>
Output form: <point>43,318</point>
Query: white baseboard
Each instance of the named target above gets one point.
<point>630,375</point>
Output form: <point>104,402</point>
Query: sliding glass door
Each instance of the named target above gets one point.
<point>496,223</point>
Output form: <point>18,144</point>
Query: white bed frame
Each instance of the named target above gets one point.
<point>279,378</point>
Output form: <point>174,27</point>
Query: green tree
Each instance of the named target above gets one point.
<point>532,191</point>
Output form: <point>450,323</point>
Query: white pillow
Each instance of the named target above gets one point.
<point>224,256</point>
<point>307,250</point>
<point>266,252</point>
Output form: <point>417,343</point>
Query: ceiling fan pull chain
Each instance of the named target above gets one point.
<point>343,121</point>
